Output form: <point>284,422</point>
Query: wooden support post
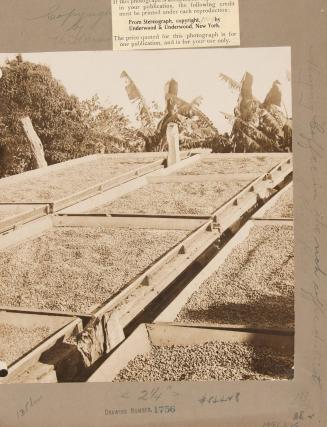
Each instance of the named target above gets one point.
<point>35,142</point>
<point>173,144</point>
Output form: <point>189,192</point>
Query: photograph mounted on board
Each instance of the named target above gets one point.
<point>146,216</point>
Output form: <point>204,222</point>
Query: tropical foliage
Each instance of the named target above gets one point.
<point>67,127</point>
<point>195,128</point>
<point>70,128</point>
<point>256,126</point>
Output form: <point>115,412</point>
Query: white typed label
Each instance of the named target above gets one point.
<point>173,24</point>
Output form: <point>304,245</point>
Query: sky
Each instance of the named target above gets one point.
<point>196,70</point>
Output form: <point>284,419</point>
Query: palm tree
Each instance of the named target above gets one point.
<point>258,126</point>
<point>195,127</point>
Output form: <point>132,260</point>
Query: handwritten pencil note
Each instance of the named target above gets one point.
<point>171,24</point>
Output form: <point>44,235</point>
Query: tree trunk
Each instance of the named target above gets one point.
<point>35,142</point>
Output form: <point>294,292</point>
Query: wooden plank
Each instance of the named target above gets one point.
<point>23,203</point>
<point>215,156</point>
<point>29,320</point>
<point>43,312</point>
<point>167,216</point>
<point>264,222</point>
<point>22,218</point>
<point>235,327</point>
<point>153,222</point>
<point>144,155</point>
<point>172,135</point>
<point>167,334</point>
<point>171,312</point>
<point>228,177</point>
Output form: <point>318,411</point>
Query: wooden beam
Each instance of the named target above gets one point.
<point>172,135</point>
<point>228,177</point>
<point>15,221</point>
<point>149,222</point>
<point>232,327</point>
<point>168,334</point>
<point>42,312</point>
<point>275,221</point>
<point>214,156</point>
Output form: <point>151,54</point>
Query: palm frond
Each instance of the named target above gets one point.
<point>233,84</point>
<point>144,113</point>
<point>196,102</point>
<point>230,117</point>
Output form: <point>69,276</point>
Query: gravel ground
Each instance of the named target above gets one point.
<point>254,286</point>
<point>258,164</point>
<point>56,184</point>
<point>211,361</point>
<point>283,208</point>
<point>16,341</point>
<point>74,269</point>
<point>7,211</point>
<point>175,198</point>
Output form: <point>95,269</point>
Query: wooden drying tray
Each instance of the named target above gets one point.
<point>258,191</point>
<point>230,213</point>
<point>91,197</point>
<point>104,186</point>
<point>103,198</point>
<point>166,334</point>
<point>41,208</point>
<point>171,312</point>
<point>129,302</point>
<point>62,326</point>
<point>112,317</point>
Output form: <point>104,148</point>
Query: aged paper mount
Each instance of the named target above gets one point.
<point>292,404</point>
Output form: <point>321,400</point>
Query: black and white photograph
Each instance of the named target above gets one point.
<point>146,216</point>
